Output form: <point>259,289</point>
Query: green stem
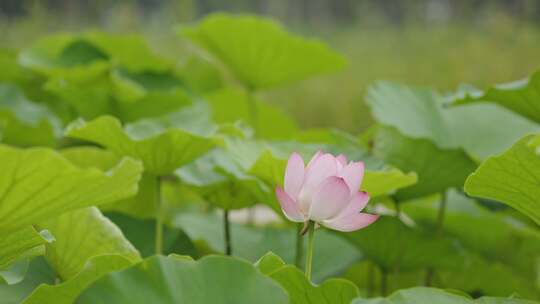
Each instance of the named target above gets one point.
<point>299,246</point>
<point>440,214</point>
<point>430,272</point>
<point>429,277</point>
<point>227,231</point>
<point>309,257</point>
<point>370,279</point>
<point>384,282</point>
<point>159,218</point>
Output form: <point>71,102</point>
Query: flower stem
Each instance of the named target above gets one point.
<point>370,279</point>
<point>159,218</point>
<point>430,272</point>
<point>227,231</point>
<point>299,246</point>
<point>384,282</point>
<point>309,257</point>
<point>440,215</point>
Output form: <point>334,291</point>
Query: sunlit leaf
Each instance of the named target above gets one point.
<point>230,105</point>
<point>21,244</point>
<point>73,54</point>
<point>387,181</point>
<point>511,178</point>
<point>81,235</point>
<point>535,143</point>
<point>200,74</point>
<point>66,292</point>
<point>26,123</point>
<point>259,52</point>
<point>222,181</point>
<point>64,55</point>
<point>37,184</point>
<point>162,145</point>
<point>128,50</point>
<point>519,96</point>
<point>142,205</point>
<point>171,280</point>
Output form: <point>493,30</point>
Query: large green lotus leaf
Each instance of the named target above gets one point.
<point>12,72</point>
<point>331,256</point>
<point>162,145</point>
<point>520,96</point>
<point>420,114</point>
<point>213,279</point>
<point>496,237</point>
<point>153,104</point>
<point>260,53</point>
<point>393,245</point>
<point>511,178</point>
<point>142,205</point>
<point>438,169</point>
<point>26,123</point>
<point>8,60</point>
<point>37,184</point>
<point>300,290</point>
<point>75,55</point>
<point>38,272</point>
<point>87,246</point>
<point>64,56</point>
<point>222,181</point>
<point>382,182</point>
<point>200,74</point>
<point>233,104</point>
<point>130,51</point>
<point>66,292</point>
<point>88,98</point>
<point>535,143</point>
<point>425,295</point>
<point>147,94</point>
<point>21,244</point>
<point>124,97</point>
<point>81,235</point>
<point>130,86</point>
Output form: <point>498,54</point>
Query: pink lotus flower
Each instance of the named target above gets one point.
<point>326,192</point>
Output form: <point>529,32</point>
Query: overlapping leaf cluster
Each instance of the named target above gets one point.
<point>111,152</point>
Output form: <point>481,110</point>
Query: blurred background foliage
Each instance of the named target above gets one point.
<point>435,43</point>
